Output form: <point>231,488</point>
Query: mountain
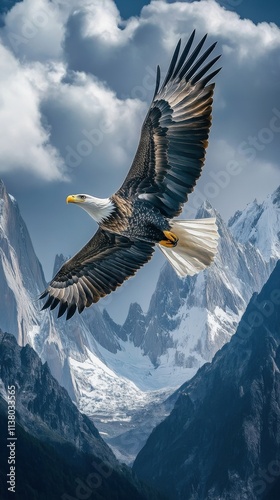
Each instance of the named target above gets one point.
<point>120,375</point>
<point>74,458</point>
<point>222,439</point>
<point>21,274</point>
<point>259,224</point>
<point>190,319</point>
<point>44,407</point>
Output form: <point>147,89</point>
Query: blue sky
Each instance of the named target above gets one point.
<point>76,79</point>
<point>256,10</point>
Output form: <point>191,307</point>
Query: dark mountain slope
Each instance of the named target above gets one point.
<point>59,452</point>
<point>61,472</point>
<point>222,440</point>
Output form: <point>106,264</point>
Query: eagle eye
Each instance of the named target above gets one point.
<point>83,197</point>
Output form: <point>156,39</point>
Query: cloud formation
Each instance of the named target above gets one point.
<point>24,141</point>
<point>109,67</point>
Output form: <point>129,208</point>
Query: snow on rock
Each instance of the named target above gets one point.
<point>95,379</point>
<point>21,276</point>
<point>26,314</point>
<point>190,319</point>
<point>259,224</point>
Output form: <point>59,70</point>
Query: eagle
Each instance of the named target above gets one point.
<point>142,214</point>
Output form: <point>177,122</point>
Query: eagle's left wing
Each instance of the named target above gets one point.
<point>102,265</point>
<point>174,135</point>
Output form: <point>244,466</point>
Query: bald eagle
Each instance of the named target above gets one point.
<point>141,214</point>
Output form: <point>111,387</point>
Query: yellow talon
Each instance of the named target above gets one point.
<point>171,239</point>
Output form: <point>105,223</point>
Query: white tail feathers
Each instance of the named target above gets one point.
<point>196,247</point>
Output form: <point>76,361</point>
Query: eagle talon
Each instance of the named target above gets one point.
<point>171,239</point>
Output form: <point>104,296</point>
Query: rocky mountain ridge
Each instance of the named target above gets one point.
<point>222,439</point>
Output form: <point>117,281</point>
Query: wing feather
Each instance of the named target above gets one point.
<point>102,265</point>
<point>184,54</point>
<point>172,64</point>
<point>174,136</point>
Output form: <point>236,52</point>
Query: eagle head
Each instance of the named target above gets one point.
<point>98,208</point>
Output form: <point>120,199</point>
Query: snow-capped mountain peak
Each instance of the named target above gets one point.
<point>259,224</point>
<point>21,275</point>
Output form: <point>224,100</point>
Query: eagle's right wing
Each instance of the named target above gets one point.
<point>102,265</point>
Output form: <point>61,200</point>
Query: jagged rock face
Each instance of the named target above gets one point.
<point>259,224</point>
<point>62,472</point>
<point>101,330</point>
<point>134,325</point>
<point>44,407</point>
<point>21,274</point>
<point>58,262</point>
<point>222,439</point>
<point>14,231</point>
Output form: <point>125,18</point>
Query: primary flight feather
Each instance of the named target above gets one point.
<point>140,215</point>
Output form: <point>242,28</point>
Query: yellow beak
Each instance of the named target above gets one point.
<point>71,199</point>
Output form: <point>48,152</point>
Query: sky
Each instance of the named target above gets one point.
<point>76,80</point>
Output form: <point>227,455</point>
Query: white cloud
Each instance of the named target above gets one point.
<point>123,55</point>
<point>99,127</point>
<point>24,142</point>
<point>209,17</point>
<point>101,19</point>
<point>34,29</point>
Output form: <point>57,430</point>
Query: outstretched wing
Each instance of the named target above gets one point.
<point>99,268</point>
<point>171,152</point>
